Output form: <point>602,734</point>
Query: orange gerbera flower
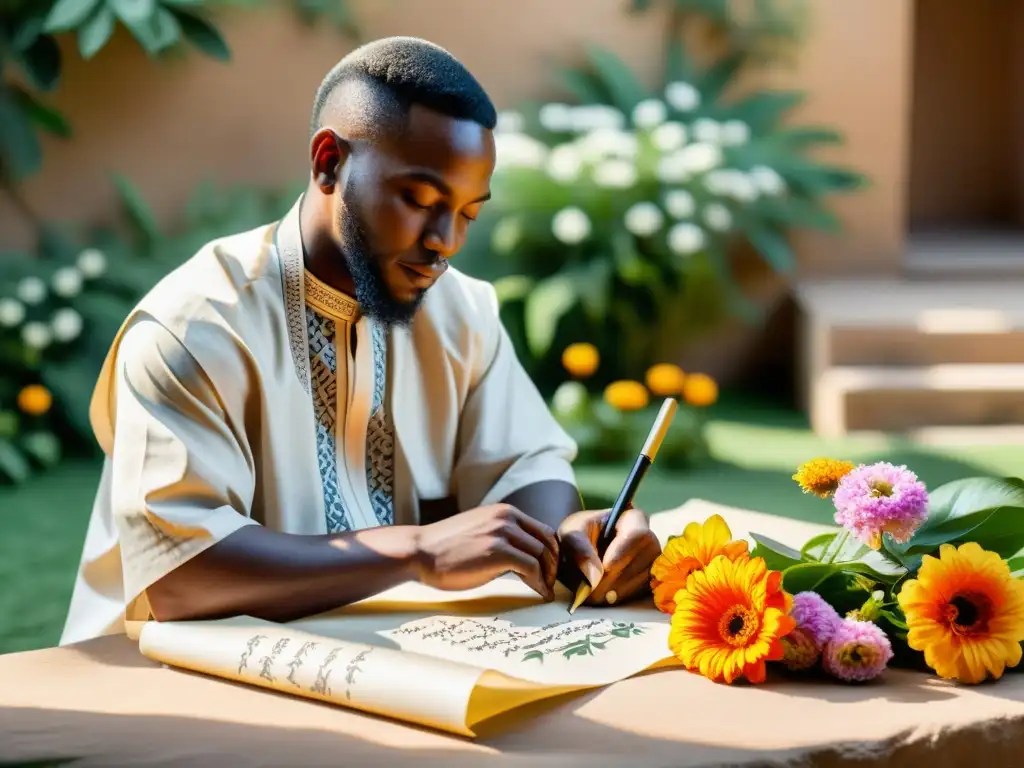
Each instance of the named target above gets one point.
<point>698,546</point>
<point>731,619</point>
<point>966,612</point>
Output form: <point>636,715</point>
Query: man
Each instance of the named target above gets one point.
<point>307,414</point>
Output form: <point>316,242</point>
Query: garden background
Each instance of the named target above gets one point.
<point>694,198</point>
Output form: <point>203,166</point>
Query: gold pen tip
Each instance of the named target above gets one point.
<point>581,594</point>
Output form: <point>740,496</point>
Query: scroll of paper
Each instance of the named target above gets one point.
<point>439,659</point>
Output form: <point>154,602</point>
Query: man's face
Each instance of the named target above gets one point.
<point>405,206</point>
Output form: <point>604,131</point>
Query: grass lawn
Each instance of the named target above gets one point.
<point>756,449</point>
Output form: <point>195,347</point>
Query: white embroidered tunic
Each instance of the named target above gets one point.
<point>332,325</point>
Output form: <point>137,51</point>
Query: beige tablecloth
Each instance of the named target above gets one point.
<point>103,701</point>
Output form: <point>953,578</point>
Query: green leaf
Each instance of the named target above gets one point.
<point>719,76</point>
<point>20,152</point>
<point>804,577</point>
<point>1016,565</point>
<point>795,213</point>
<point>958,507</point>
<point>44,447</point>
<point>678,66</point>
<point>68,14</point>
<point>593,284</point>
<point>583,86</point>
<point>625,90</point>
<point>1001,532</point>
<point>12,464</point>
<point>774,247</point>
<point>806,136</point>
<point>138,211</point>
<point>133,11</point>
<point>892,618</point>
<point>534,656</point>
<point>778,557</point>
<point>45,117</point>
<point>41,63</point>
<point>550,300</point>
<point>512,288</point>
<point>763,111</point>
<point>96,33</point>
<point>639,6</point>
<point>817,545</point>
<point>203,35</point>
<point>154,33</point>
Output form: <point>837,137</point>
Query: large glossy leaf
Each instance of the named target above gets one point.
<point>1001,532</point>
<point>550,300</point>
<point>624,89</point>
<point>68,14</point>
<point>957,508</point>
<point>203,35</point>
<point>805,577</point>
<point>719,76</point>
<point>96,32</point>
<point>801,137</point>
<point>776,555</point>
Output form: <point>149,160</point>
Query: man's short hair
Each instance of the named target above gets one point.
<point>395,73</point>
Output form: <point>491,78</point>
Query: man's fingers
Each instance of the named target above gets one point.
<point>535,548</point>
<point>627,556</point>
<point>527,567</point>
<point>579,551</point>
<point>627,589</point>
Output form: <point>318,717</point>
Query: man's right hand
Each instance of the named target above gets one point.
<point>472,548</point>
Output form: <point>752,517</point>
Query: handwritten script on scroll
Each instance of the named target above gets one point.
<point>444,660</point>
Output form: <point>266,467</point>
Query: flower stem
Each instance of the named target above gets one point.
<point>841,538</point>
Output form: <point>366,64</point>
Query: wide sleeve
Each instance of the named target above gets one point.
<point>508,438</point>
<point>182,475</point>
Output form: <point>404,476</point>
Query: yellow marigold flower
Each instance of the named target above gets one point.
<point>665,379</point>
<point>731,619</point>
<point>821,476</point>
<point>700,390</point>
<point>966,613</point>
<point>626,395</point>
<point>698,546</point>
<point>35,400</point>
<point>580,360</point>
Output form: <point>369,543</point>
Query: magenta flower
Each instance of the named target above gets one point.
<point>858,651</point>
<point>881,498</point>
<point>815,617</point>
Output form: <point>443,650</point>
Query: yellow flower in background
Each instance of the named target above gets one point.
<point>682,555</point>
<point>665,379</point>
<point>821,476</point>
<point>700,390</point>
<point>580,360</point>
<point>35,400</point>
<point>626,395</point>
<point>731,619</point>
<point>965,612</point>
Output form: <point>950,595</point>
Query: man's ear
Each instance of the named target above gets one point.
<point>328,153</point>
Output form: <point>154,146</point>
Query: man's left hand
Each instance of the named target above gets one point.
<point>624,571</point>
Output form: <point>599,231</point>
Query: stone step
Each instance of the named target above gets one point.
<point>914,347</point>
<point>902,398</point>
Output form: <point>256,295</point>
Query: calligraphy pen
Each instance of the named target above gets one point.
<point>628,492</point>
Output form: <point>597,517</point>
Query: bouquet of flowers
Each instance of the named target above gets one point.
<point>923,580</point>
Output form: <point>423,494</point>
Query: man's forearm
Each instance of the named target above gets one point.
<point>549,501</point>
<point>281,576</point>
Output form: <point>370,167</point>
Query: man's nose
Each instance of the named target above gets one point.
<point>442,236</point>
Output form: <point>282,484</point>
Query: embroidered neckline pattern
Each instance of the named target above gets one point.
<point>326,300</point>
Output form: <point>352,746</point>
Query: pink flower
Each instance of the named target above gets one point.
<point>858,651</point>
<point>815,617</point>
<point>881,498</point>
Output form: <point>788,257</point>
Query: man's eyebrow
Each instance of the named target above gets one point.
<point>436,181</point>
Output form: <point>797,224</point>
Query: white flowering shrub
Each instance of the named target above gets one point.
<point>613,219</point>
<point>59,313</point>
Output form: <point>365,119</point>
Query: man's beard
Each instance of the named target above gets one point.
<point>375,300</point>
